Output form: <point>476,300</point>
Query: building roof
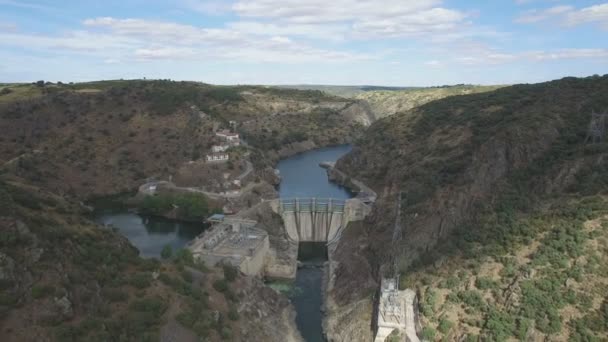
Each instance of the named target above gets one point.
<point>227,133</point>
<point>216,217</point>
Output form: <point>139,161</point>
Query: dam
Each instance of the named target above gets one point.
<point>318,219</point>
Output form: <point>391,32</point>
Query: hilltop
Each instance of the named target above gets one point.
<point>501,198</point>
<point>344,91</point>
<point>386,102</point>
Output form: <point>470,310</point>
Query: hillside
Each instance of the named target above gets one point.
<point>64,279</point>
<point>387,102</point>
<point>108,137</point>
<point>491,181</point>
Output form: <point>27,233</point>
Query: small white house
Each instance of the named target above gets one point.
<point>219,148</point>
<point>213,157</point>
<point>229,136</point>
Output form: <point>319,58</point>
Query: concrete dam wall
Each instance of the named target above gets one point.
<point>318,219</point>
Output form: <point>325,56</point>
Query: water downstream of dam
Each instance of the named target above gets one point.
<point>301,176</point>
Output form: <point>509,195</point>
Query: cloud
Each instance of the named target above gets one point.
<point>492,57</point>
<point>568,15</point>
<point>534,16</point>
<point>140,40</point>
<point>359,18</point>
<point>434,64</point>
<point>593,14</point>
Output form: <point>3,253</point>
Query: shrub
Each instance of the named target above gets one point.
<point>428,334</point>
<point>230,272</point>
<point>41,291</point>
<point>445,325</point>
<point>184,257</point>
<point>483,283</point>
<point>472,298</point>
<point>167,252</point>
<point>115,295</point>
<point>154,306</point>
<point>220,285</point>
<point>140,280</point>
<point>187,276</point>
<point>233,314</point>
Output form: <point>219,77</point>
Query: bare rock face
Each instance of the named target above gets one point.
<point>7,268</point>
<point>64,306</point>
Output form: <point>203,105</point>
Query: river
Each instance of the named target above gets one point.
<point>301,176</point>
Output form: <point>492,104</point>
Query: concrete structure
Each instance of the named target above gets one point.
<point>318,219</point>
<point>214,157</point>
<point>396,311</point>
<point>234,241</point>
<point>219,148</point>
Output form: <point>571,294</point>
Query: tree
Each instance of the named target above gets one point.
<point>167,252</point>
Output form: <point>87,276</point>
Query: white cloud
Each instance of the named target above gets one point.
<point>534,16</point>
<point>143,40</point>
<point>365,18</point>
<point>568,15</point>
<point>492,57</point>
<point>594,14</point>
<point>434,64</point>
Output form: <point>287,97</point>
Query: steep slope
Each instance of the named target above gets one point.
<point>384,103</point>
<point>469,167</point>
<point>107,137</point>
<point>64,279</point>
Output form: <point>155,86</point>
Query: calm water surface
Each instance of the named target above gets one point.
<point>301,176</point>
<point>151,234</point>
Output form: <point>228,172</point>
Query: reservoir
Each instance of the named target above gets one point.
<point>301,176</point>
<point>150,234</point>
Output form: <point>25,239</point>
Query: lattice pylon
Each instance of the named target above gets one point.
<point>597,127</point>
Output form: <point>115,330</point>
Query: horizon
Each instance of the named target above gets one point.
<point>279,43</point>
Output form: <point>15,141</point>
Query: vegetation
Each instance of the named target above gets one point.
<point>188,206</point>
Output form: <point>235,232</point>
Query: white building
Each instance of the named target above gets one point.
<point>213,157</point>
<point>219,148</point>
<point>232,138</point>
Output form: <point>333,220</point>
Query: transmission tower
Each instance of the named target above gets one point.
<point>597,128</point>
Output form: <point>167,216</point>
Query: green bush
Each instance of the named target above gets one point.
<point>428,334</point>
<point>221,285</point>
<point>445,325</point>
<point>483,283</point>
<point>473,299</point>
<point>233,314</point>
<point>230,272</point>
<point>187,276</point>
<point>499,324</point>
<point>155,306</point>
<point>184,257</point>
<point>115,294</point>
<point>140,280</point>
<point>6,201</point>
<point>41,291</point>
<point>167,252</point>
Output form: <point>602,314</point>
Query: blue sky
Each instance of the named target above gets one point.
<point>388,42</point>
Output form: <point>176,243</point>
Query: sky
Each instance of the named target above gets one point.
<point>340,42</point>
